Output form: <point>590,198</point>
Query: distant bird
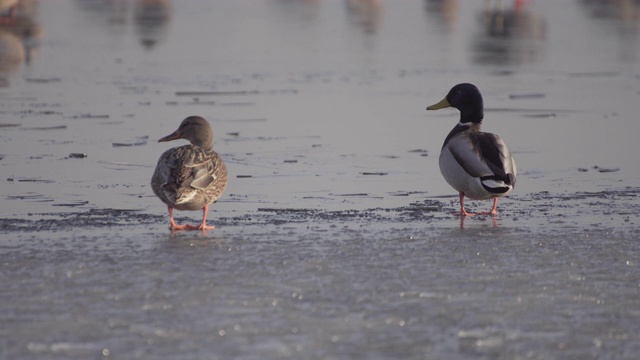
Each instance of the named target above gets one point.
<point>190,177</point>
<point>477,164</point>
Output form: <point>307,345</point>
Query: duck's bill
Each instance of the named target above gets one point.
<point>441,105</point>
<point>173,136</point>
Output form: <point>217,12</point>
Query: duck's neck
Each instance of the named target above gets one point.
<point>472,114</point>
<point>204,141</point>
<point>461,128</point>
<point>204,145</point>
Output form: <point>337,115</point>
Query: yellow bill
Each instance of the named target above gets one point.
<point>441,105</point>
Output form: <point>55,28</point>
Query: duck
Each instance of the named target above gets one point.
<point>477,164</point>
<point>190,177</point>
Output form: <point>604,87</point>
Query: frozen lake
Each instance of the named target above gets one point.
<point>335,238</point>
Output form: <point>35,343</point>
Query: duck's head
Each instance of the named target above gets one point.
<point>466,98</point>
<point>195,129</point>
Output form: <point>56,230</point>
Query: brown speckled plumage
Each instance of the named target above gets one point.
<point>190,177</point>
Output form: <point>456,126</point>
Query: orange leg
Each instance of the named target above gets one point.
<point>175,226</point>
<point>203,225</point>
<point>463,212</point>
<point>494,211</point>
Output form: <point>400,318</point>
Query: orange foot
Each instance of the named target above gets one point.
<point>464,213</point>
<point>175,226</point>
<point>494,211</point>
<point>202,226</point>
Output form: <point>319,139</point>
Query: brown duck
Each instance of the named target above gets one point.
<point>190,177</point>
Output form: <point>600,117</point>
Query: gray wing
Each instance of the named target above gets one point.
<point>483,155</point>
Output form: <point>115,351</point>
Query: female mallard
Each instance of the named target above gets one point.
<point>477,164</point>
<point>190,177</point>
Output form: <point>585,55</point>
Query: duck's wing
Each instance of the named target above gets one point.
<point>484,155</point>
<point>196,168</point>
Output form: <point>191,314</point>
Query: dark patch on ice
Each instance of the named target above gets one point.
<point>90,116</point>
<point>34,180</point>
<point>609,209</point>
<point>93,218</point>
<point>594,74</point>
<point>138,141</point>
<point>540,116</point>
<point>527,96</point>
<point>105,218</point>
<point>43,80</point>
<point>194,102</point>
<point>72,204</point>
<point>77,155</point>
<point>238,92</point>
<point>419,151</point>
<point>55,127</point>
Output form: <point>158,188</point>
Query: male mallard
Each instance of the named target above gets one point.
<point>190,177</point>
<point>477,164</point>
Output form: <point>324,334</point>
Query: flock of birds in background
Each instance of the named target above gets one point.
<point>477,164</point>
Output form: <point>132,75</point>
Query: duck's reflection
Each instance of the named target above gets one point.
<point>175,232</point>
<point>622,15</point>
<point>511,34</point>
<point>151,19</point>
<point>366,14</point>
<point>494,220</point>
<point>443,12</point>
<point>111,12</point>
<point>623,10</point>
